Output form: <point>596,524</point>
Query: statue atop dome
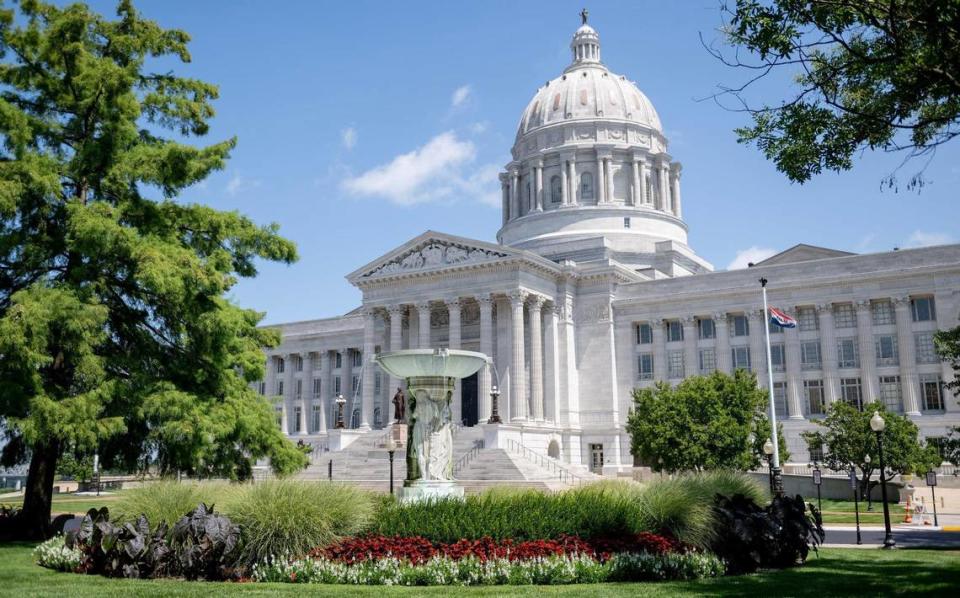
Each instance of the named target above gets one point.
<point>583,15</point>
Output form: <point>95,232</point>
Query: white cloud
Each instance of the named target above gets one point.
<point>238,184</point>
<point>433,172</point>
<point>349,137</point>
<point>750,255</point>
<point>921,238</point>
<point>460,95</point>
<point>479,127</point>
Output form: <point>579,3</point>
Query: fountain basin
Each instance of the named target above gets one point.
<point>449,363</point>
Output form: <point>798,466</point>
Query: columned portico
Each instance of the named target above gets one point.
<point>486,347</point>
<point>518,389</point>
<point>423,320</point>
<point>536,356</point>
<point>396,344</point>
<point>454,342</point>
<point>369,366</point>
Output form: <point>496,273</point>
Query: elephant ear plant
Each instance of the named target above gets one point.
<point>201,545</point>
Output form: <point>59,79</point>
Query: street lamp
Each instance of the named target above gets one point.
<point>391,448</point>
<point>877,425</point>
<point>494,415</point>
<point>340,401</point>
<point>768,451</point>
<point>867,472</point>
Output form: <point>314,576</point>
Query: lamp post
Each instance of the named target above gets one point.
<point>391,449</point>
<point>869,475</point>
<point>877,424</point>
<point>856,506</point>
<point>494,414</point>
<point>768,451</point>
<point>340,401</point>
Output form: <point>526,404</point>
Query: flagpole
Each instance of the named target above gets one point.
<point>777,478</point>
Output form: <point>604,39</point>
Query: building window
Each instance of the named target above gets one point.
<point>780,398</point>
<point>297,413</point>
<point>851,392</point>
<point>923,309</point>
<point>807,319</point>
<point>644,334</point>
<point>926,351</point>
<point>740,358</point>
<point>890,393</point>
<point>813,389</point>
<point>355,419</point>
<point>675,364</point>
<point>645,365</point>
<point>706,327</point>
<point>357,359</point>
<point>586,186</point>
<point>844,316</point>
<point>336,385</point>
<point>377,418</point>
<point>299,391</point>
<point>278,416</point>
<point>355,386</point>
<point>674,331</point>
<point>280,365</point>
<point>778,357</point>
<point>338,361</point>
<point>376,383</point>
<point>930,392</point>
<point>810,355</point>
<point>815,448</point>
<point>556,189</point>
<point>280,388</point>
<point>298,361</point>
<point>626,222</point>
<point>741,326</point>
<point>882,312</point>
<point>848,353</point>
<point>262,388</point>
<point>315,417</point>
<point>887,353</point>
<point>708,361</point>
<point>317,388</point>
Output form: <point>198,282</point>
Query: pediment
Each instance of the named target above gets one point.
<point>428,252</point>
<point>802,253</point>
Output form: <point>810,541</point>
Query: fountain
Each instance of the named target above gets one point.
<point>431,376</point>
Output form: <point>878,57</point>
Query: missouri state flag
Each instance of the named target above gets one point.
<point>781,319</point>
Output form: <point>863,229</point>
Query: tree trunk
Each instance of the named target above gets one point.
<point>38,494</point>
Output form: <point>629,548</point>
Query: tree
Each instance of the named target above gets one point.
<point>868,75</point>
<point>947,343</point>
<point>705,422</point>
<point>847,439</point>
<point>115,330</point>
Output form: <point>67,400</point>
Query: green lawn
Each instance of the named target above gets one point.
<point>67,503</point>
<point>835,572</point>
<point>841,511</point>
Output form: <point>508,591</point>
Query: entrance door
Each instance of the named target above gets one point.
<point>469,407</point>
<point>596,458</point>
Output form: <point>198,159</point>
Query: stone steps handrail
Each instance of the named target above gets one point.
<point>565,475</point>
<point>468,456</point>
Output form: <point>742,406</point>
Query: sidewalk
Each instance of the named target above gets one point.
<point>905,536</point>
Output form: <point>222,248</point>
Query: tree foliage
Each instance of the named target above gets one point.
<point>703,423</point>
<point>847,439</point>
<point>115,329</point>
<point>867,75</point>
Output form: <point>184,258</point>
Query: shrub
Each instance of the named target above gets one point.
<point>292,517</point>
<point>167,501</point>
<point>674,508</point>
<point>54,554</point>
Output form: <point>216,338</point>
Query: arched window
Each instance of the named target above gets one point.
<point>555,190</point>
<point>377,418</point>
<point>553,449</point>
<point>355,419</point>
<point>586,186</point>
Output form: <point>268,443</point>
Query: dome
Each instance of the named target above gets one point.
<point>588,92</point>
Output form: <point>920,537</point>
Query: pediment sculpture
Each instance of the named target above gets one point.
<point>435,254</point>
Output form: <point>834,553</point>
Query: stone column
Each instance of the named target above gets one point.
<point>289,390</point>
<point>791,345</point>
<point>551,388</point>
<point>690,365</point>
<point>909,380</point>
<point>505,199</point>
<point>518,398</point>
<point>644,174</point>
<point>396,344</point>
<point>675,183</point>
<point>758,347</point>
<point>367,385</point>
<point>538,187</point>
<point>325,389</point>
<point>828,353</point>
<point>868,354</point>
<point>306,380</point>
<point>536,356</point>
<point>423,320</point>
<point>453,309</point>
<point>484,378</point>
<point>635,193</point>
<point>346,386</point>
<point>564,183</point>
<point>659,350</point>
<point>608,178</point>
<point>664,191</point>
<point>722,351</point>
<point>574,183</point>
<point>598,181</point>
<point>514,193</point>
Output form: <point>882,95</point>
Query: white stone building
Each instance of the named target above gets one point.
<point>592,291</point>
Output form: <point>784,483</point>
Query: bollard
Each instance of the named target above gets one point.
<point>330,470</point>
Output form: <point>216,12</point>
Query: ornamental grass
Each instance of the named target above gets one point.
<point>167,501</point>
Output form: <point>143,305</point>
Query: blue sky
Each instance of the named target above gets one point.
<point>362,124</point>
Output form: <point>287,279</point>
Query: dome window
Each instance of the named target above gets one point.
<point>556,102</point>
<point>555,189</point>
<point>613,97</point>
<point>583,97</point>
<point>586,186</point>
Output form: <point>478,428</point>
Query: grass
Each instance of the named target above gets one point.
<point>68,503</point>
<point>841,512</point>
<point>835,572</point>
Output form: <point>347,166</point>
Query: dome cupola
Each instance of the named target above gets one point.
<point>586,43</point>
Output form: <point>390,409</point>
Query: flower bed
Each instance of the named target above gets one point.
<point>471,570</point>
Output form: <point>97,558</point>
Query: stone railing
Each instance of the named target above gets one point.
<point>563,473</point>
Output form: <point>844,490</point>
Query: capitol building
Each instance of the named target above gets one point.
<point>592,291</point>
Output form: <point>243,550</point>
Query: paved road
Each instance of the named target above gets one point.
<point>905,538</point>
